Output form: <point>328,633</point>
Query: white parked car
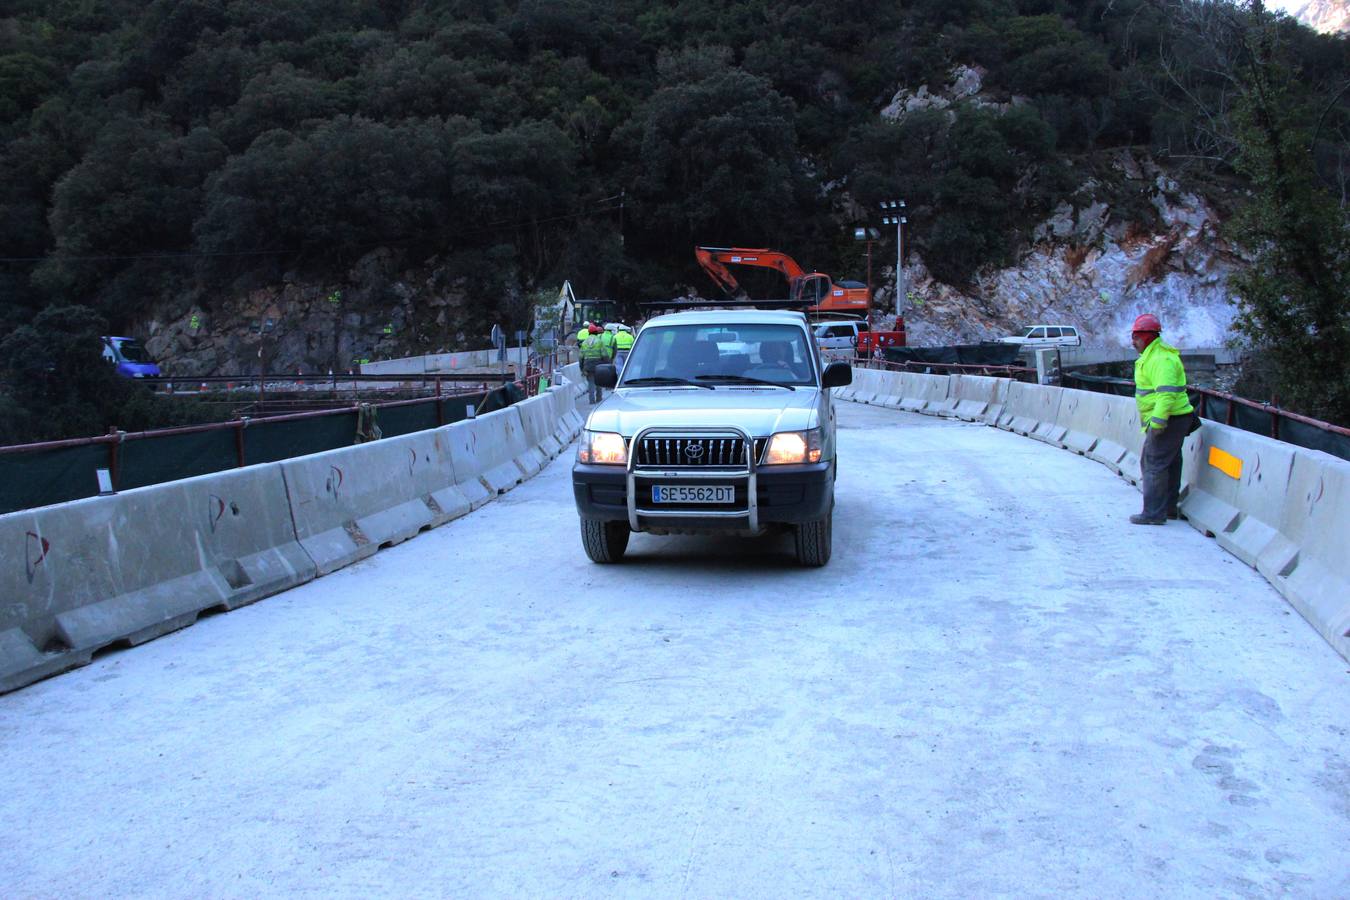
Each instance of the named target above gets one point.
<point>1046,336</point>
<point>839,335</point>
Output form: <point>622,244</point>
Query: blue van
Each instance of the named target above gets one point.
<point>130,357</point>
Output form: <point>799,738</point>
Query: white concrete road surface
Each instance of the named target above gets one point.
<point>997,687</point>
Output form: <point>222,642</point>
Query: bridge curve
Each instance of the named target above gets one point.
<point>992,688</point>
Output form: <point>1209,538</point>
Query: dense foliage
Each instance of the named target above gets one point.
<point>188,148</point>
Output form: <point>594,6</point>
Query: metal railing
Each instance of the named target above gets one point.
<point>115,437</point>
<point>1239,412</point>
<point>1020,373</point>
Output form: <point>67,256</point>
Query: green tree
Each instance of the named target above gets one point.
<point>1294,300</point>
<point>54,383</point>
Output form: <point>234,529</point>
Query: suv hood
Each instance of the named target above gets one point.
<point>761,412</point>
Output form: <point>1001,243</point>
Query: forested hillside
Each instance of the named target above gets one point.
<point>165,154</point>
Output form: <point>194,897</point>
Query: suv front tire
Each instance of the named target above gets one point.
<point>605,542</point>
<point>814,540</point>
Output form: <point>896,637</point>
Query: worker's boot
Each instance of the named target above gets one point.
<point>1141,519</point>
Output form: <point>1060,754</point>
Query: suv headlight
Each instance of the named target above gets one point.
<point>788,447</point>
<point>602,448</point>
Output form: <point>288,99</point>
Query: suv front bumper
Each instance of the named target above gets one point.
<point>787,495</point>
<point>763,494</point>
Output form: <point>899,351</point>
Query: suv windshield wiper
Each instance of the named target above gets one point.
<point>663,379</point>
<point>746,379</point>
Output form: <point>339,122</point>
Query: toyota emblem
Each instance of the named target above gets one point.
<point>693,451</point>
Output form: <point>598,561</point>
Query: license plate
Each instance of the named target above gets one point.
<point>682,493</point>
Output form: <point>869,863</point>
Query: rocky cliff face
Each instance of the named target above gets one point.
<point>1095,268</point>
<point>1095,263</point>
<point>381,309</point>
<point>1326,16</point>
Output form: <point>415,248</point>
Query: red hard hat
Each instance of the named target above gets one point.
<point>595,329</point>
<point>1147,322</point>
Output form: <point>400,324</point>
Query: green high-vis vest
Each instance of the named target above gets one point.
<point>1160,386</point>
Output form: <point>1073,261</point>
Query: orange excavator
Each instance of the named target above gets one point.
<point>825,295</point>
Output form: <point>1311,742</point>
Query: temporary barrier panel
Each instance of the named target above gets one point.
<point>888,386</point>
<point>1310,565</point>
<point>918,392</point>
<point>1240,505</point>
<point>538,415</point>
<point>867,385</point>
<point>488,448</point>
<point>1120,440</point>
<point>1080,413</point>
<point>1031,410</point>
<point>978,398</point>
<point>348,503</point>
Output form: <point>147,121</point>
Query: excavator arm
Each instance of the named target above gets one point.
<point>714,261</point>
<point>819,288</point>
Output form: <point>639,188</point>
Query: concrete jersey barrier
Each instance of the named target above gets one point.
<point>492,448</point>
<point>349,503</point>
<point>133,566</point>
<point>922,393</point>
<point>125,568</point>
<point>977,398</point>
<point>1031,410</point>
<point>1308,562</point>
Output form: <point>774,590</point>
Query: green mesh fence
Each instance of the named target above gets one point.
<point>46,476</point>
<point>50,476</point>
<point>173,456</point>
<point>272,441</point>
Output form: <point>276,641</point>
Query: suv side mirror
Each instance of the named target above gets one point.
<point>837,374</point>
<point>606,376</point>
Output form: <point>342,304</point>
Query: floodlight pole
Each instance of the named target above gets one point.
<point>895,218</point>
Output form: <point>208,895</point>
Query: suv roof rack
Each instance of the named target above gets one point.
<point>677,305</point>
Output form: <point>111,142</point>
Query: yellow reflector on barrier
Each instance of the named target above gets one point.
<point>1226,463</point>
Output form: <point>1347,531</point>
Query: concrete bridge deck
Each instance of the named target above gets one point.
<point>994,688</point>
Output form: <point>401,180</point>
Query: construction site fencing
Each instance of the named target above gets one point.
<point>33,475</point>
<point>1239,412</point>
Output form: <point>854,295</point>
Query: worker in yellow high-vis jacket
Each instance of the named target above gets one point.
<point>1166,417</point>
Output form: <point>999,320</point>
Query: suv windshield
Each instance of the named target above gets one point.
<point>773,353</point>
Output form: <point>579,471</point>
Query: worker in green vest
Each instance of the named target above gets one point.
<point>623,342</point>
<point>596,350</point>
<point>1165,416</point>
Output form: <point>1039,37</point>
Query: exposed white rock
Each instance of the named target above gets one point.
<point>967,81</point>
<point>1092,271</point>
<point>966,85</point>
<point>1326,16</point>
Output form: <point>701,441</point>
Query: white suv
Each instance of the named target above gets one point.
<point>1046,336</point>
<point>721,424</point>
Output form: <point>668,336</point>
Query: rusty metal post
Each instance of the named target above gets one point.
<point>113,453</point>
<point>239,442</point>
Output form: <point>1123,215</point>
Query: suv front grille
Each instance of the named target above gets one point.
<point>694,452</point>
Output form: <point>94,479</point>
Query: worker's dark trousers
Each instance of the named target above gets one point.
<point>1161,466</point>
<point>588,367</point>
